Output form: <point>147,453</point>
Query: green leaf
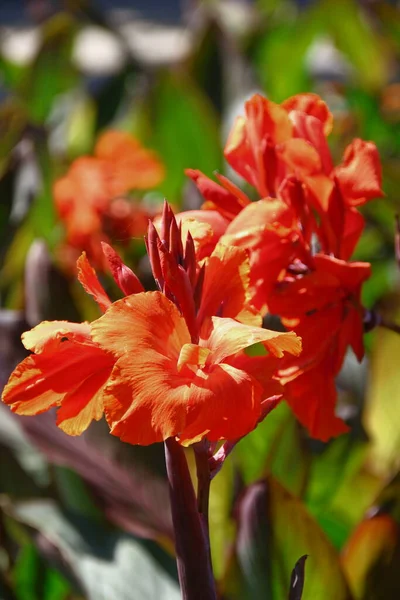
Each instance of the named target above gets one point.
<point>355,37</point>
<point>276,446</point>
<point>34,580</point>
<point>52,72</point>
<point>106,563</point>
<point>185,131</point>
<point>286,45</point>
<point>274,529</point>
<point>339,490</point>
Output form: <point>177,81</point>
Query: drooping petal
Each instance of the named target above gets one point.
<point>48,335</point>
<point>360,174</point>
<point>84,404</point>
<point>354,224</point>
<point>43,380</point>
<point>224,405</point>
<point>226,337</point>
<point>89,280</point>
<point>146,398</point>
<point>312,397</point>
<point>123,276</point>
<point>226,287</point>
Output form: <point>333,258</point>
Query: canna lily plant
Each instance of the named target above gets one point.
<point>191,364</point>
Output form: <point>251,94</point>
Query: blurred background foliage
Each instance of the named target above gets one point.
<point>89,517</point>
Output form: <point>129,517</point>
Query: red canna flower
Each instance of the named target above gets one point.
<point>163,385</point>
<point>158,364</point>
<point>324,307</point>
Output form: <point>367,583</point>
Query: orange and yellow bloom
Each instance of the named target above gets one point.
<point>158,364</point>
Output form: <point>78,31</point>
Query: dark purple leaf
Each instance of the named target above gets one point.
<point>297,579</point>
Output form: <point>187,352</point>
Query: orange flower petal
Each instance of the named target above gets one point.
<point>227,337</point>
<point>140,323</point>
<point>253,137</point>
<point>313,105</point>
<point>206,228</point>
<point>360,174</point>
<point>229,202</point>
<point>312,397</point>
<point>42,380</point>
<point>84,404</point>
<point>146,400</point>
<point>48,335</point>
<point>193,356</point>
<point>89,280</point>
<point>226,287</point>
<point>224,405</point>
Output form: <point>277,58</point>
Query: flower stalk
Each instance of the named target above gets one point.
<point>191,540</point>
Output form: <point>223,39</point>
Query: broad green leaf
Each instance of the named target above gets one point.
<point>184,130</point>
<point>339,488</point>
<point>355,36</point>
<point>286,45</point>
<point>274,530</point>
<point>52,72</point>
<point>106,563</point>
<point>276,446</point>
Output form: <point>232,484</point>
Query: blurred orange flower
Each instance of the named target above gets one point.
<point>89,197</point>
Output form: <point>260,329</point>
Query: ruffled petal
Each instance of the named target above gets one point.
<point>224,405</point>
<point>90,283</point>
<point>146,322</point>
<point>226,337</point>
<point>130,166</point>
<point>146,399</point>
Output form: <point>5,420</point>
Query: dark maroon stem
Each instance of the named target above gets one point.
<point>191,541</point>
